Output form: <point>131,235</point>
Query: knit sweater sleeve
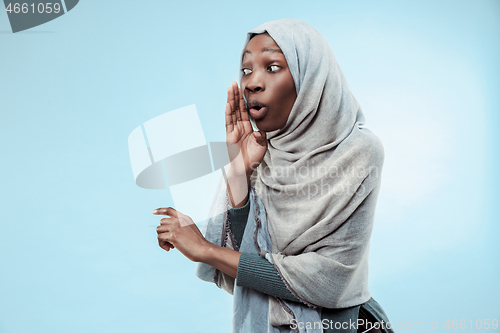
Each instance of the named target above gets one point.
<point>254,271</point>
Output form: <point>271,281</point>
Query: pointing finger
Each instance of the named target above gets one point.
<point>165,211</point>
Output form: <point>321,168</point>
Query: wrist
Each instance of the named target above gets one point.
<point>235,173</point>
<point>212,254</point>
<point>222,258</point>
<point>241,178</point>
<point>237,187</point>
<point>208,253</point>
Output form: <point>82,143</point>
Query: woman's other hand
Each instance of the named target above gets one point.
<point>180,232</point>
<point>246,147</point>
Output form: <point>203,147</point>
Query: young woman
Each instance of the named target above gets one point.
<point>293,246</point>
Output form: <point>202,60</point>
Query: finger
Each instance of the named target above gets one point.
<point>167,220</point>
<point>168,244</point>
<point>169,211</point>
<point>165,237</point>
<point>243,107</point>
<point>230,100</point>
<point>165,245</point>
<point>171,223</point>
<point>229,119</point>
<point>229,93</point>
<point>237,109</point>
<point>162,229</point>
<point>260,137</point>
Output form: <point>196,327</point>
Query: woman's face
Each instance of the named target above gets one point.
<point>267,83</point>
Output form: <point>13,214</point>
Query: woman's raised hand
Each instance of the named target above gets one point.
<point>246,148</point>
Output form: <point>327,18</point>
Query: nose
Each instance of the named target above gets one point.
<point>255,83</point>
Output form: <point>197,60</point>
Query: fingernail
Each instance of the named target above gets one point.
<point>155,211</point>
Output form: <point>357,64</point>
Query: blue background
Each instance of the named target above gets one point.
<point>78,248</point>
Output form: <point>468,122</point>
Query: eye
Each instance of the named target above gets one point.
<point>246,71</point>
<point>273,68</point>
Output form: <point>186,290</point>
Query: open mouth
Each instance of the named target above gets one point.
<point>257,111</point>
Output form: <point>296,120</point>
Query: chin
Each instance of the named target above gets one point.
<point>263,126</point>
<point>267,125</point>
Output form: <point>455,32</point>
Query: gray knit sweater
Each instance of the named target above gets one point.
<point>258,273</point>
<point>255,271</point>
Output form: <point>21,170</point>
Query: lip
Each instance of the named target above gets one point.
<point>258,114</point>
<point>257,109</point>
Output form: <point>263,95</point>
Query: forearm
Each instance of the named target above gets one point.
<point>222,258</point>
<point>251,270</point>
<point>237,188</point>
<point>257,273</point>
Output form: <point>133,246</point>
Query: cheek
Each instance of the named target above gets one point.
<point>288,93</point>
<point>291,87</point>
<point>286,80</point>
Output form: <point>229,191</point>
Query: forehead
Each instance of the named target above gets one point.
<point>262,43</point>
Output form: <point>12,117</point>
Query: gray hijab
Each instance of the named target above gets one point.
<point>318,183</point>
<point>320,176</point>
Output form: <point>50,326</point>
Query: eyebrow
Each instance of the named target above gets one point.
<point>265,49</point>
